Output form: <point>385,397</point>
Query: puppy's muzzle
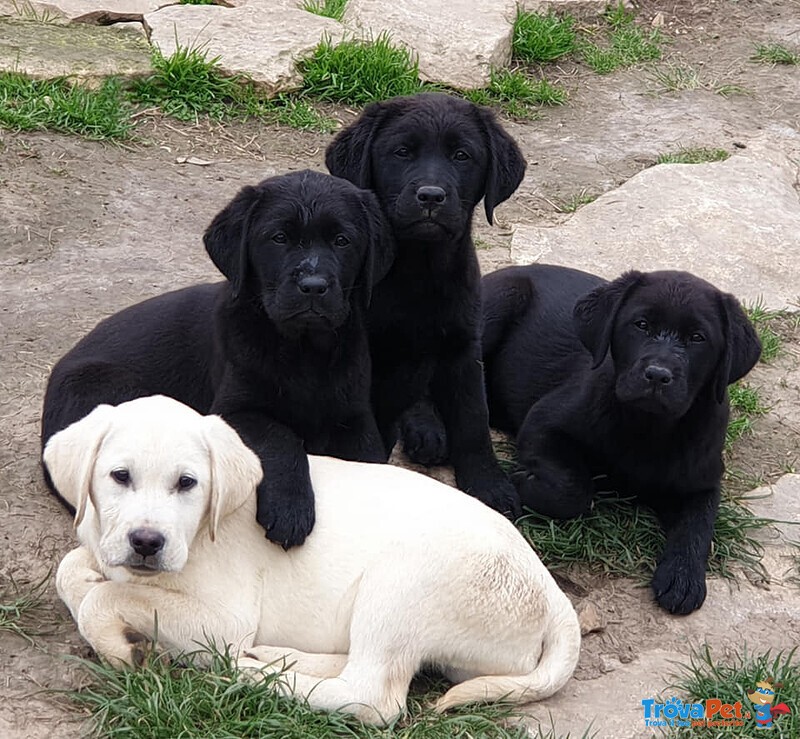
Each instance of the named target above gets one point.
<point>146,544</point>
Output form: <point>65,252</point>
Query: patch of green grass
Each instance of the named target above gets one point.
<point>296,112</point>
<point>627,44</point>
<point>731,678</point>
<point>25,9</point>
<point>327,8</point>
<point>162,701</point>
<point>506,452</point>
<point>18,605</point>
<point>61,105</point>
<point>542,38</point>
<point>775,53</point>
<point>188,84</point>
<point>617,15</point>
<point>621,538</point>
<point>517,94</point>
<point>770,340</point>
<point>360,72</point>
<point>574,202</point>
<point>728,90</point>
<point>513,86</point>
<point>697,155</point>
<point>746,405</point>
<point>672,78</point>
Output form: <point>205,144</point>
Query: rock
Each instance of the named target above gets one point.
<point>590,617</point>
<point>735,223</point>
<point>781,503</point>
<point>582,9</point>
<point>458,43</point>
<point>46,50</point>
<point>131,27</point>
<point>257,39</point>
<point>87,11</point>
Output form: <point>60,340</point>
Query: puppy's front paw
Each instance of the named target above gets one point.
<point>491,487</point>
<point>424,439</point>
<point>286,518</point>
<point>252,670</point>
<point>268,655</point>
<point>679,584</point>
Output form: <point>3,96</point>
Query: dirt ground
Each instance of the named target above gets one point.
<point>88,228</point>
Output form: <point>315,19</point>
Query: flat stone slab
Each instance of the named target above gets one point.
<point>735,223</point>
<point>258,40</point>
<point>458,42</point>
<point>46,50</point>
<point>90,11</point>
<point>779,502</point>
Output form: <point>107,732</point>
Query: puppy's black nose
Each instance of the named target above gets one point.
<point>430,196</point>
<point>312,285</point>
<point>146,542</point>
<point>656,374</point>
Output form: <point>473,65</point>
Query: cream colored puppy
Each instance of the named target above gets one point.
<point>400,570</point>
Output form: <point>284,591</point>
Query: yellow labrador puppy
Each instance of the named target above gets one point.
<point>400,570</point>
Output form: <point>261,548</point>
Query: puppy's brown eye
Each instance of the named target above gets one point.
<point>402,152</point>
<point>185,482</point>
<point>697,337</point>
<point>341,241</point>
<point>279,238</point>
<point>123,477</point>
<point>642,324</point>
<point>461,155</point>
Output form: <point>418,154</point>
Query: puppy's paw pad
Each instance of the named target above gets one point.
<point>267,655</point>
<point>252,670</point>
<point>424,437</point>
<point>502,497</point>
<point>289,525</point>
<point>678,591</point>
<point>428,451</point>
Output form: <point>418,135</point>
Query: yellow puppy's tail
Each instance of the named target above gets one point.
<point>559,657</point>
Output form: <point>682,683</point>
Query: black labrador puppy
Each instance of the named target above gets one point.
<point>279,350</point>
<point>626,379</point>
<point>430,159</point>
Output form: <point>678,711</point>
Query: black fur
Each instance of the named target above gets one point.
<point>430,159</point>
<point>279,350</point>
<point>625,379</point>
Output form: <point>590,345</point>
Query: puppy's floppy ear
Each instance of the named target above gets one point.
<point>226,237</point>
<point>235,471</point>
<point>70,456</point>
<point>381,249</point>
<point>742,346</point>
<point>506,163</point>
<point>594,314</point>
<point>349,155</point>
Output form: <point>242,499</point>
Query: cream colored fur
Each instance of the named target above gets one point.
<point>399,571</point>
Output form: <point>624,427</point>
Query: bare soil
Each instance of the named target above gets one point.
<point>88,228</point>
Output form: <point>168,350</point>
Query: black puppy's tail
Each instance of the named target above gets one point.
<point>505,295</point>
